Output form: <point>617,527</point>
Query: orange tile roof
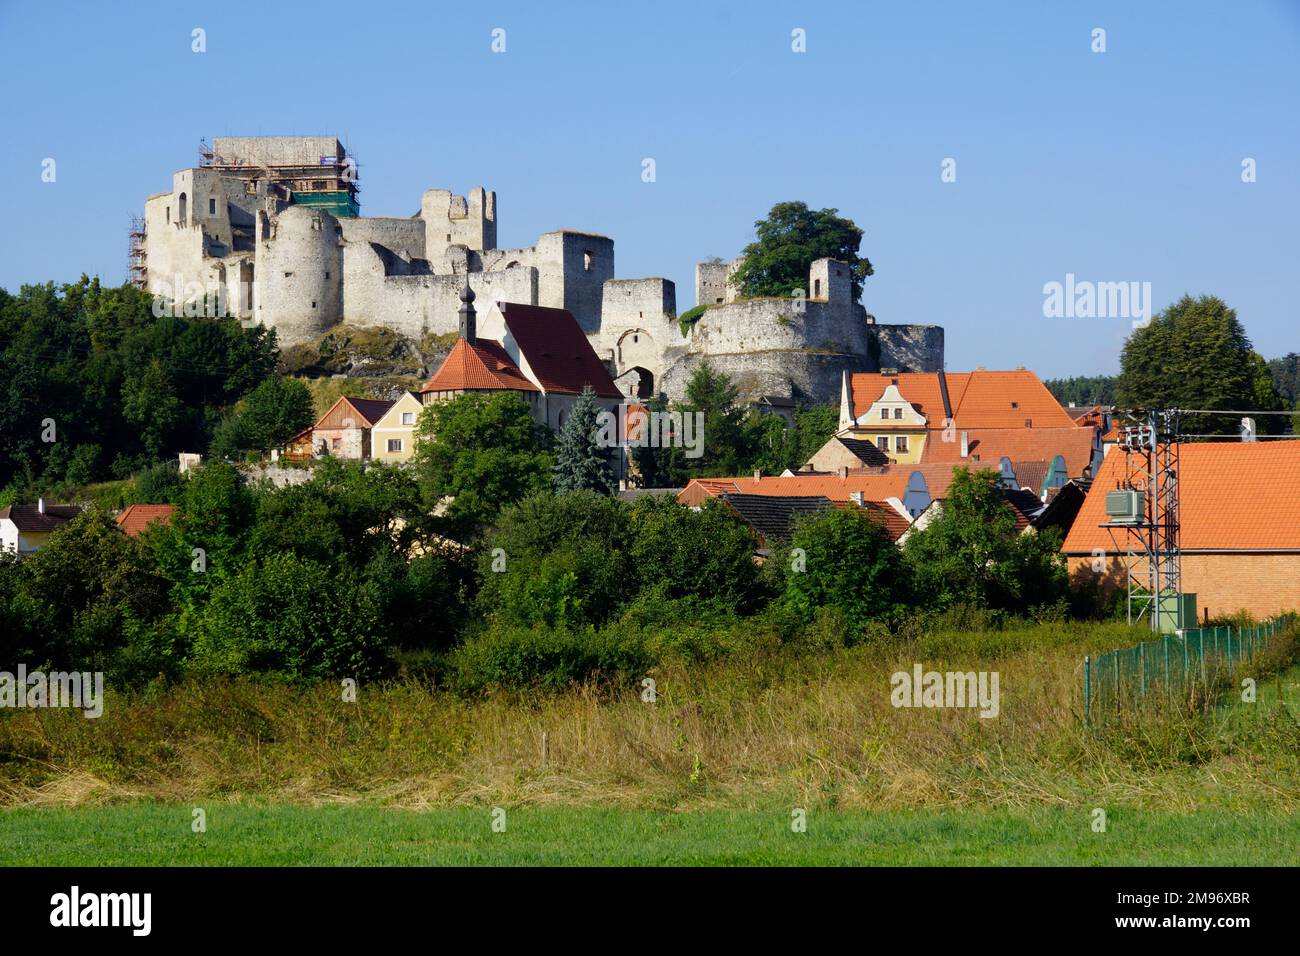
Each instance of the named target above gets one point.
<point>979,399</point>
<point>1233,496</point>
<point>987,446</point>
<point>135,518</point>
<point>483,366</point>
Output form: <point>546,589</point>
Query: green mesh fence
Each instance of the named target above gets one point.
<point>1170,671</point>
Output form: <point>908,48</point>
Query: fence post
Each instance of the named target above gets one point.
<point>1204,680</point>
<point>1087,688</point>
<point>1142,671</point>
<point>1168,683</point>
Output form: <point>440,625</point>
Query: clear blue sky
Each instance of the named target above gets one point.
<point>1118,166</point>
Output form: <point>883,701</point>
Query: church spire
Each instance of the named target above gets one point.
<point>468,331</point>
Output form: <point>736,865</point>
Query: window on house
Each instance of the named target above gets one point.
<point>898,412</point>
<point>394,444</point>
<point>212,207</point>
<point>900,443</point>
<point>169,214</point>
<point>817,288</point>
<point>1015,404</point>
<point>882,442</point>
<point>408,418</point>
<point>884,413</point>
<point>327,275</point>
<point>587,260</point>
<point>336,443</point>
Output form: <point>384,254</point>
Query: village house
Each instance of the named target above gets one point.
<point>1239,527</point>
<point>344,431</point>
<point>979,417</point>
<point>26,528</point>
<point>393,437</point>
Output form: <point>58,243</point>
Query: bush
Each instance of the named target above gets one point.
<point>559,560</point>
<point>707,553</point>
<point>545,657</point>
<point>291,618</point>
<point>850,563</point>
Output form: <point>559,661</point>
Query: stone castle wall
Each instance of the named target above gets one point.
<point>307,270</point>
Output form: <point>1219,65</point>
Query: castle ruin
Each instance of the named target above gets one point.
<point>269,229</point>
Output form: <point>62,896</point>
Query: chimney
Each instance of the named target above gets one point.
<point>468,330</point>
<point>844,471</point>
<point>1248,429</point>
<point>40,506</point>
<point>965,444</point>
<point>857,498</point>
<point>758,473</point>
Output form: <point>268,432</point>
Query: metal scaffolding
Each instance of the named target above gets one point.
<point>137,264</point>
<point>1150,537</point>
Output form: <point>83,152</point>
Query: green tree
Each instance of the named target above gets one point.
<point>158,484</point>
<point>557,560</point>
<point>88,590</point>
<point>1083,390</point>
<point>206,537</point>
<point>973,554</point>
<point>714,399</point>
<point>684,552</point>
<point>844,559</point>
<point>478,453</point>
<point>267,417</point>
<point>580,462</point>
<point>292,618</point>
<point>1195,355</point>
<point>788,241</point>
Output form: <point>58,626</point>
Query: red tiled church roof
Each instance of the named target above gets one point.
<point>483,366</point>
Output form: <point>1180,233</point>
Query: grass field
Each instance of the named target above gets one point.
<point>707,773</point>
<point>160,834</point>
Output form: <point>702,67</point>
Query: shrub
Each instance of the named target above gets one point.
<point>557,560</point>
<point>850,563</point>
<point>550,658</point>
<point>291,618</point>
<point>707,553</point>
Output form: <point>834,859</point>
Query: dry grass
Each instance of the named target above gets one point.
<point>769,729</point>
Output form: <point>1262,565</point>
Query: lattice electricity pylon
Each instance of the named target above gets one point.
<point>1150,543</point>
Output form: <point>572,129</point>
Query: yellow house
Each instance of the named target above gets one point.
<point>393,437</point>
<point>893,425</point>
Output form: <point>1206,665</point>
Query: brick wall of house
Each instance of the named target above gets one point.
<point>1261,584</point>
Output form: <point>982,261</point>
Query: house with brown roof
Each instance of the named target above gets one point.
<point>344,431</point>
<point>1239,527</point>
<point>26,528</point>
<point>133,519</point>
<point>539,353</point>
